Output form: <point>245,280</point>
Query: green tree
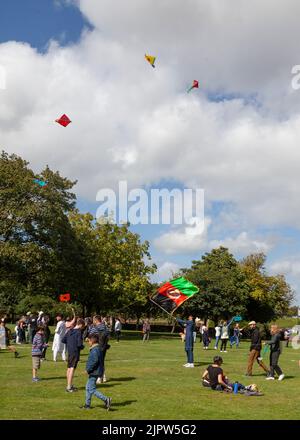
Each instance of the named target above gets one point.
<point>114,274</point>
<point>269,296</point>
<point>223,288</point>
<point>37,246</point>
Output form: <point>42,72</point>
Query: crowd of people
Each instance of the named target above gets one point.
<point>71,332</point>
<point>222,333</point>
<point>69,336</point>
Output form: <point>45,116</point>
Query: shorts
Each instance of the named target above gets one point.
<point>36,362</point>
<point>73,360</point>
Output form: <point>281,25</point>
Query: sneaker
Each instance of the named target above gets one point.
<point>74,388</point>
<point>191,365</point>
<point>17,354</point>
<point>215,348</point>
<point>270,378</point>
<point>85,407</point>
<point>69,390</point>
<point>35,379</point>
<point>185,365</point>
<point>99,380</point>
<point>104,378</point>
<point>281,377</point>
<point>108,403</point>
<point>225,351</point>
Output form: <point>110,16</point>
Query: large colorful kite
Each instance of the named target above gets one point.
<point>172,294</point>
<point>195,85</point>
<point>63,120</point>
<point>150,59</point>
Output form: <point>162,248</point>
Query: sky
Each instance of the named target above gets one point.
<point>236,137</point>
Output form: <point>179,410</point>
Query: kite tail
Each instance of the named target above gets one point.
<point>266,348</point>
<point>189,89</point>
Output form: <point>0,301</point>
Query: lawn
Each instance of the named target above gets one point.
<point>147,381</point>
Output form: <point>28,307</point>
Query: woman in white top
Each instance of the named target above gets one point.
<point>218,334</point>
<point>58,346</point>
<point>225,335</point>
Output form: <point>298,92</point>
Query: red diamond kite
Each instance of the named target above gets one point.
<point>195,85</point>
<point>63,120</point>
<point>65,297</point>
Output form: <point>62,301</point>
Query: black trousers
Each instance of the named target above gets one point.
<point>274,367</point>
<point>223,344</point>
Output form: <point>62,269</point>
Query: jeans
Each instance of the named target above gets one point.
<point>190,355</point>
<point>234,340</point>
<point>92,390</point>
<point>146,336</point>
<point>217,341</point>
<point>274,356</point>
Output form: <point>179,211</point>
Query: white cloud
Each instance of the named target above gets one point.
<point>166,271</point>
<point>180,241</point>
<point>287,267</point>
<point>243,244</point>
<point>137,123</point>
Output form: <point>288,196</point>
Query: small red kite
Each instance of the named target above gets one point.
<point>65,297</point>
<point>195,85</point>
<point>63,120</point>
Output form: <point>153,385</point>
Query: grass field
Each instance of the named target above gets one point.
<point>147,381</point>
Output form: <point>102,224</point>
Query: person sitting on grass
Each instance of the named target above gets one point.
<point>94,368</point>
<point>6,338</point>
<point>38,345</point>
<point>214,378</point>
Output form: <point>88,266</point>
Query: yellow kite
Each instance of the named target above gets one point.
<point>150,59</point>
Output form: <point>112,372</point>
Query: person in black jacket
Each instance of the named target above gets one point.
<point>275,350</point>
<point>94,368</point>
<point>255,349</point>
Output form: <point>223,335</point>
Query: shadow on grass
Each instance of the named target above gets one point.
<point>200,364</point>
<point>103,385</point>
<point>122,379</point>
<point>125,403</point>
<point>54,378</point>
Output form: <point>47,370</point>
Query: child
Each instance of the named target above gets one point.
<point>38,344</point>
<point>74,342</point>
<point>94,368</point>
<point>6,337</point>
<point>275,351</point>
<point>205,337</point>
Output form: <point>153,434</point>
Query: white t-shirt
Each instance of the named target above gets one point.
<point>218,330</point>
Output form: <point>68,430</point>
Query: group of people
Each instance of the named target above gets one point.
<point>71,332</point>
<point>69,341</point>
<point>222,333</point>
